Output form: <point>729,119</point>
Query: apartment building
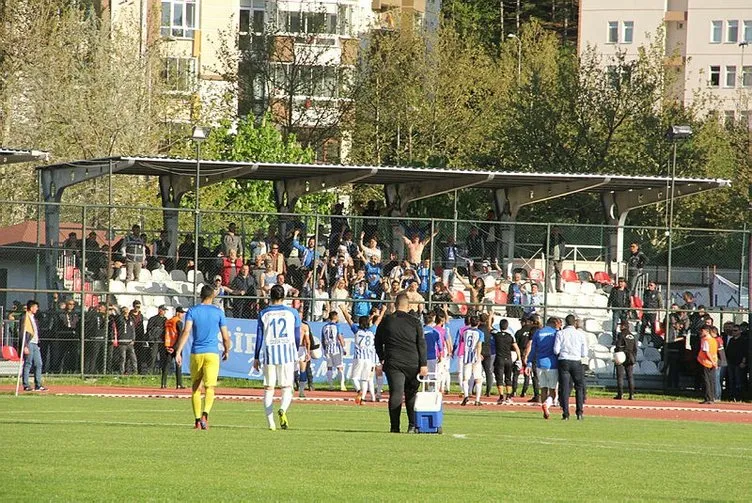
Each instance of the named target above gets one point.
<point>705,42</point>
<point>295,57</point>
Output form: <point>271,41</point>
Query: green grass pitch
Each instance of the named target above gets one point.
<point>84,449</point>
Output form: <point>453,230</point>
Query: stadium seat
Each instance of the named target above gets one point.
<point>121,274</point>
<point>116,286</point>
<point>135,287</point>
<point>501,297</point>
<point>160,274</point>
<point>652,354</point>
<point>144,276</point>
<point>592,340</point>
<point>572,287</point>
<point>11,354</point>
<point>592,326</point>
<point>606,339</point>
<point>199,277</point>
<point>601,351</point>
<point>536,275</point>
<point>177,275</point>
<point>640,355</point>
<point>649,368</point>
<point>585,276</point>
<point>600,300</point>
<point>588,288</point>
<point>569,275</point>
<point>459,297</point>
<point>603,278</point>
<point>566,301</point>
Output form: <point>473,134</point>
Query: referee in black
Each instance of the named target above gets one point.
<point>401,347</point>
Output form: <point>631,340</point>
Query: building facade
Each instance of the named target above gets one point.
<point>705,43</point>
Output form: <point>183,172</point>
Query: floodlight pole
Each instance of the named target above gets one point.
<point>199,135</point>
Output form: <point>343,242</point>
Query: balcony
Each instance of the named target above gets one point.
<point>678,16</point>
<point>674,61</point>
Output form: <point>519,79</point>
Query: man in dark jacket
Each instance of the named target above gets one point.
<point>635,264</point>
<point>141,344</point>
<point>68,343</point>
<point>619,301</point>
<point>736,356</point>
<point>651,299</point>
<point>96,339</point>
<point>401,347</point>
<point>155,328</point>
<point>244,285</point>
<point>626,343</point>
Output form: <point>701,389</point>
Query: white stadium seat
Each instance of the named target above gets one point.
<point>116,286</point>
<point>649,368</point>
<point>592,340</point>
<point>601,351</point>
<point>144,275</point>
<point>588,288</point>
<point>160,274</point>
<point>572,287</point>
<point>121,274</point>
<point>177,275</point>
<point>605,339</point>
<point>593,326</point>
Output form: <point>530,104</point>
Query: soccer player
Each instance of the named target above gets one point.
<point>304,358</point>
<point>541,353</point>
<point>445,376</point>
<point>472,340</point>
<point>204,321</point>
<point>434,344</point>
<point>365,354</point>
<point>458,348</point>
<point>277,342</point>
<point>333,346</point>
<point>505,343</point>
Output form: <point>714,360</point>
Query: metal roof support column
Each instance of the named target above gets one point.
<point>171,189</point>
<point>504,213</point>
<point>52,196</point>
<point>615,219</point>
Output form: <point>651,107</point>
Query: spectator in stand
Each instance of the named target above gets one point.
<point>337,270</point>
<point>651,299</point>
<point>398,271</point>
<point>258,248</point>
<point>554,249</point>
<point>360,296</point>
<point>415,299</point>
<point>626,343</point>
<point>491,277</point>
<point>533,300</point>
<point>391,265</point>
<point>426,278</point>
<point>72,248</point>
<point>97,326</point>
<point>320,306</point>
<point>475,245</point>
<point>736,356</point>
<point>415,247</point>
<point>348,248</point>
<point>65,352</point>
<point>338,227</point>
<point>290,291</point>
<point>307,254</point>
<point>148,259</point>
<point>477,291</point>
<point>97,262</point>
<point>266,279</point>
<point>173,329</point>
<point>390,295</point>
<point>155,329</point>
<point>220,292</point>
<point>231,266</point>
<point>185,253</point>
<point>373,275</point>
<point>133,248</point>
<point>207,261</point>
<point>231,241</point>
<point>161,252</point>
<point>276,259</point>
<point>126,342</point>
<point>244,285</point>
<point>707,357</point>
<point>339,296</point>
<point>635,265</point>
<point>370,225</point>
<point>372,250</point>
<point>441,297</point>
<point>720,373</point>
<point>619,301</point>
<point>141,343</point>
<point>450,257</point>
<point>515,297</point>
<point>93,263</point>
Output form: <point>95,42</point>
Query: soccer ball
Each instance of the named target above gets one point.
<point>316,354</point>
<point>620,358</point>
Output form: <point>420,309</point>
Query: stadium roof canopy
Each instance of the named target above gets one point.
<point>13,155</point>
<point>402,184</point>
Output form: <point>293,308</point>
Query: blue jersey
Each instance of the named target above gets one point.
<point>330,339</point>
<point>424,275</point>
<point>277,335</point>
<point>542,348</point>
<point>361,308</point>
<point>207,322</point>
<point>434,344</point>
<point>373,275</point>
<point>472,337</point>
<point>364,343</point>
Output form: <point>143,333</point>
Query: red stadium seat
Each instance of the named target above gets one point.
<point>569,276</point>
<point>501,297</point>
<point>10,353</point>
<point>603,278</point>
<point>459,297</point>
<point>536,275</point>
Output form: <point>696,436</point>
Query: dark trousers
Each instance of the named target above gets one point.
<point>488,365</point>
<point>648,321</point>
<point>620,371</point>
<point>94,356</point>
<point>168,359</point>
<point>143,355</point>
<point>735,383</point>
<point>570,374</point>
<point>154,352</point>
<point>708,383</point>
<point>402,381</point>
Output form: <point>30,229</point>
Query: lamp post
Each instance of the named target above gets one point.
<point>519,56</point>
<point>198,136</point>
<point>673,134</point>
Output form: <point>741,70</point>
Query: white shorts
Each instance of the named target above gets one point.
<point>547,378</point>
<point>333,361</point>
<point>281,375</point>
<point>361,370</point>
<point>301,354</point>
<point>474,369</point>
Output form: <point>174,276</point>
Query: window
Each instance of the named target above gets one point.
<point>730,76</point>
<point>627,32</point>
<point>732,31</point>
<point>308,22</point>
<point>748,32</point>
<point>251,21</point>
<point>178,18</point>
<point>716,32</point>
<point>744,118</point>
<point>715,76</point>
<point>729,117</point>
<point>747,76</point>
<point>613,32</point>
<point>179,73</point>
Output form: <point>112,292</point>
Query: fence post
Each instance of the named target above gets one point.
<point>430,265</point>
<point>82,275</point>
<point>546,271</point>
<point>314,279</point>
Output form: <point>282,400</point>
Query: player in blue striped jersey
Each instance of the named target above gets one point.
<point>472,338</point>
<point>277,341</point>
<point>333,347</point>
<point>365,354</point>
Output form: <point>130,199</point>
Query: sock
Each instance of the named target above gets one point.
<point>364,388</point>
<point>550,401</point>
<point>356,385</point>
<point>465,387</point>
<point>268,400</point>
<point>478,389</point>
<point>379,383</point>
<point>208,399</point>
<point>329,377</point>
<point>303,378</point>
<point>341,378</point>
<point>286,399</point>
<point>196,402</point>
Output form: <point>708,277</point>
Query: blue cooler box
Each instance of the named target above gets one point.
<point>429,412</point>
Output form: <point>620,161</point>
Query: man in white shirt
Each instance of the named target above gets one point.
<point>571,347</point>
<point>320,306</point>
<point>30,349</point>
